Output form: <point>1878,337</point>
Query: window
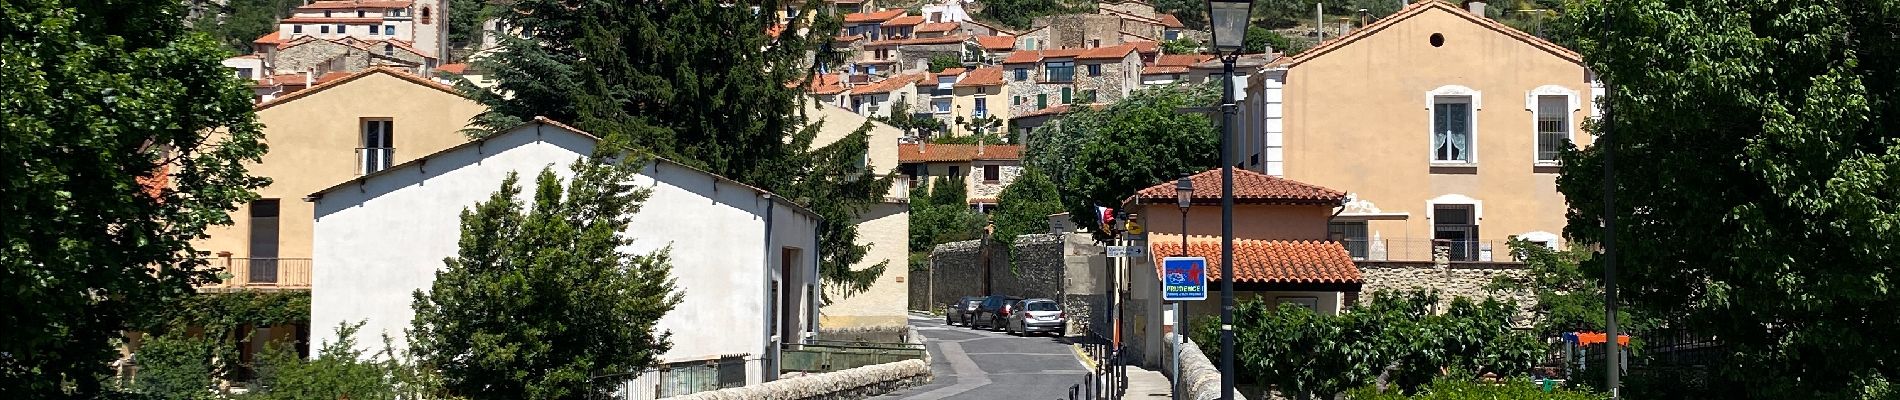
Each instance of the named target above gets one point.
<point>1451,129</point>
<point>1311,303</point>
<point>1060,71</point>
<point>1022,74</point>
<point>1172,34</point>
<point>992,173</point>
<point>940,106</point>
<point>245,73</point>
<point>389,30</point>
<point>956,170</point>
<point>1089,96</point>
<point>1457,223</point>
<point>378,146</point>
<point>1018,101</point>
<point>1350,234</point>
<point>326,14</point>
<point>262,265</point>
<point>1066,99</point>
<point>324,29</point>
<point>1553,127</point>
<point>1095,69</point>
<point>389,49</point>
<point>359,13</point>
<point>425,15</point>
<point>982,106</point>
<point>296,29</point>
<point>339,29</point>
<point>397,12</point>
<point>1042,101</point>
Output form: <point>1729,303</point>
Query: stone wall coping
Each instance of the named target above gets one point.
<point>846,384</point>
<point>1428,265</point>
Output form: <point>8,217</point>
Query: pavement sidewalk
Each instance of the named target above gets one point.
<point>1143,383</point>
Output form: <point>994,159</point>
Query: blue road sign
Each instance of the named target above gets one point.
<point>1183,278</point>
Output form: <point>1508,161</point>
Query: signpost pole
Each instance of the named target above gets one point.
<point>1178,317</point>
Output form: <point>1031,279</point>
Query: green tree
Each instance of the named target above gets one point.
<point>667,77</point>
<point>1260,40</point>
<point>465,18</point>
<point>175,366</point>
<point>1099,157</point>
<point>1180,46</point>
<point>237,23</point>
<point>1192,13</point>
<point>1569,297</point>
<point>1755,182</point>
<point>538,301</point>
<point>340,370</point>
<point>100,97</point>
<point>1019,13</point>
<point>1025,205</point>
<point>941,62</point>
<point>940,213</point>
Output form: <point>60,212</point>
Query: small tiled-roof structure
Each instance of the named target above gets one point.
<point>1249,188</point>
<point>907,20</point>
<point>928,153</point>
<point>456,68</point>
<point>352,77</point>
<point>274,37</point>
<point>875,16</point>
<point>982,76</point>
<point>1416,8</point>
<point>1145,46</point>
<point>1174,63</point>
<point>935,27</point>
<point>1265,261</point>
<point>1168,20</point>
<point>1109,52</point>
<point>996,42</point>
<point>1030,56</point>
<point>951,71</point>
<point>888,84</point>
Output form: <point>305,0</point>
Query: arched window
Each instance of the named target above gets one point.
<point>425,15</point>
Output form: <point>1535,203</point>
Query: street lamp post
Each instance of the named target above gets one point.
<point>1228,22</point>
<point>1183,197</point>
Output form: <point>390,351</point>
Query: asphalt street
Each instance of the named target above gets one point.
<point>978,364</point>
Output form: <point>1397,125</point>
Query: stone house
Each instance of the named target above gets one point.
<point>347,54</point>
<point>420,22</point>
<point>879,98</point>
<point>1042,79</point>
<point>983,169</point>
<point>988,50</point>
<point>915,54</point>
<point>1446,125</point>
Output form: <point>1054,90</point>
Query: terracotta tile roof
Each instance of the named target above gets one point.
<point>1109,52</point>
<point>154,185</point>
<point>1145,46</point>
<point>877,16</point>
<point>888,84</point>
<point>908,20</point>
<point>1181,60</point>
<point>456,68</point>
<point>982,76</point>
<point>824,84</point>
<point>1265,261</point>
<point>774,30</point>
<point>951,71</point>
<point>1417,8</point>
<point>332,76</point>
<point>996,42</point>
<point>910,41</point>
<point>324,20</point>
<point>936,27</point>
<point>1249,188</point>
<point>1030,56</point>
<point>269,38</point>
<point>1246,61</point>
<point>321,5</point>
<point>1163,69</point>
<point>913,153</point>
<point>353,77</point>
<point>1168,20</point>
<point>282,79</point>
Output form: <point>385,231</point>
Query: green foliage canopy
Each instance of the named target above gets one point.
<point>1100,157</point>
<point>95,97</point>
<point>940,213</point>
<point>1025,205</point>
<point>537,302</point>
<point>697,82</point>
<point>1756,163</point>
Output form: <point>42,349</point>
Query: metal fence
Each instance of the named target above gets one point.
<point>684,378</point>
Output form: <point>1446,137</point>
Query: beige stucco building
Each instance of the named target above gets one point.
<point>1440,123</point>
<point>332,132</point>
<point>885,227</point>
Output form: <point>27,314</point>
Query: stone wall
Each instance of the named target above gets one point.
<point>916,57</point>
<point>1037,271</point>
<point>1006,171</point>
<point>1452,279</point>
<point>1063,267</point>
<point>1200,380</point>
<point>856,383</point>
<point>1076,30</point>
<point>1117,79</point>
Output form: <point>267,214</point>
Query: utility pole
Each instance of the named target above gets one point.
<point>1613,348</point>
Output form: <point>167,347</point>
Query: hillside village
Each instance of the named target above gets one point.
<point>844,199</point>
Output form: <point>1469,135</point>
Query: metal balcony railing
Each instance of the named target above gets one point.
<point>262,273</point>
<point>372,159</point>
<point>1421,250</point>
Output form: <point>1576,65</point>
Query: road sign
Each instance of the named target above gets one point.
<point>1127,251</point>
<point>1183,279</point>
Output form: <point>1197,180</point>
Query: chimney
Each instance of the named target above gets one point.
<point>1475,7</point>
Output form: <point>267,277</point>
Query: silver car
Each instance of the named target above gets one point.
<point>1037,315</point>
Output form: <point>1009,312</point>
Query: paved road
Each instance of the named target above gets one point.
<point>973,364</point>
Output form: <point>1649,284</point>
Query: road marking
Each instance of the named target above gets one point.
<point>969,376</point>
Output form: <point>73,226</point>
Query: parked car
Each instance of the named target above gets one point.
<point>991,313</point>
<point>960,310</point>
<point>1037,315</point>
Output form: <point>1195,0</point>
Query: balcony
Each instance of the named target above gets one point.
<point>267,274</point>
<point>1421,250</point>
